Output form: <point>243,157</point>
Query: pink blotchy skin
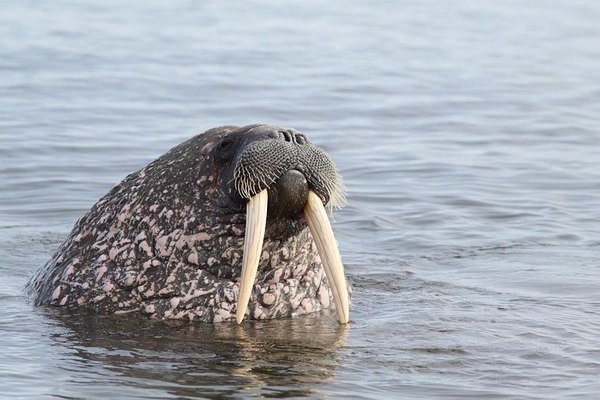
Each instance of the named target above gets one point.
<point>167,243</point>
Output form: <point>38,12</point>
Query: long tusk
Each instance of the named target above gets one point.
<point>320,228</point>
<point>256,220</point>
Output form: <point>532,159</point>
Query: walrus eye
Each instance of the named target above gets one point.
<point>225,148</point>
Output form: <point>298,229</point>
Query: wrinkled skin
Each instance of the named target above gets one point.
<point>167,242</point>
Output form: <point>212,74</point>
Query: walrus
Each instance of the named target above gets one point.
<point>228,224</point>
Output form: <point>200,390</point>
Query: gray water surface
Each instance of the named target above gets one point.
<point>468,135</point>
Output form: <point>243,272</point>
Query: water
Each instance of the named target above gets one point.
<point>468,136</point>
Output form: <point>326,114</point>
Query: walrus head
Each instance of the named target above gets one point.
<point>215,229</point>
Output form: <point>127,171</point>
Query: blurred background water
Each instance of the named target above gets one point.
<point>468,136</point>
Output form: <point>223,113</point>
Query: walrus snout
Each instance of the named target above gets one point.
<point>262,163</point>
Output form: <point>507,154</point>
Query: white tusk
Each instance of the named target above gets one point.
<point>256,220</point>
<point>320,228</point>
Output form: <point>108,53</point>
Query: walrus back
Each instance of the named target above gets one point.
<point>126,215</point>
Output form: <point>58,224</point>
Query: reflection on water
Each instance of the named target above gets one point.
<point>280,358</point>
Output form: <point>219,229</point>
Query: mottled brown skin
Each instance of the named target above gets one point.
<point>167,241</point>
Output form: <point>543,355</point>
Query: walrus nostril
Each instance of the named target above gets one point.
<point>300,138</point>
<point>287,136</point>
<point>292,137</point>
